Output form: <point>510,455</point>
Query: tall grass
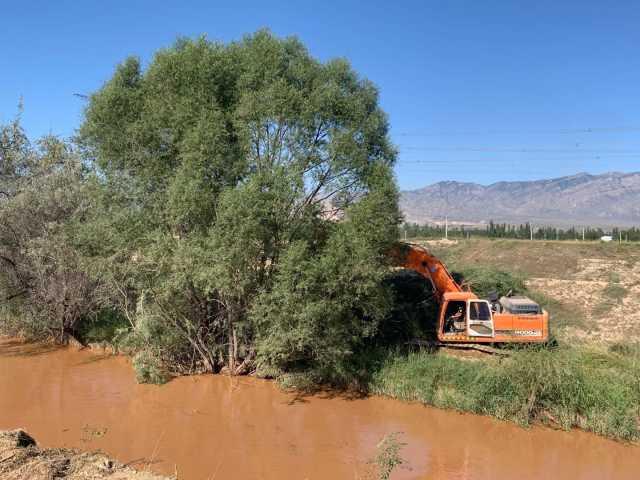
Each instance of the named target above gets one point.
<point>595,390</point>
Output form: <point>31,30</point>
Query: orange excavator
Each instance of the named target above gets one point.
<point>465,318</point>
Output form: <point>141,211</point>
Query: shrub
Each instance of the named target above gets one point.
<point>615,292</point>
<point>484,280</point>
<point>414,311</point>
<point>149,368</point>
<point>17,321</point>
<point>108,325</point>
<point>322,308</point>
<point>388,456</point>
<point>41,272</point>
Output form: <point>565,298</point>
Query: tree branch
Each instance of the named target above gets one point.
<point>9,261</point>
<point>15,295</point>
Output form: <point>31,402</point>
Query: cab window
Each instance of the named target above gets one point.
<point>479,311</point>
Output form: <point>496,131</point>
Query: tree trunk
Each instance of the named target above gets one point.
<point>232,346</point>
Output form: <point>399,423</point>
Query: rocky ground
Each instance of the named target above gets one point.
<point>22,459</point>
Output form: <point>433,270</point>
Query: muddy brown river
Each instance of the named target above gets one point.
<point>215,427</point>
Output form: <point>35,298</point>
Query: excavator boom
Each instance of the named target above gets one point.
<point>419,259</point>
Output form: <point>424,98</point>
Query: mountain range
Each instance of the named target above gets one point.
<point>609,199</point>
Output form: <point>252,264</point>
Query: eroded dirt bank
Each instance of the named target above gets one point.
<point>22,459</point>
<point>207,427</point>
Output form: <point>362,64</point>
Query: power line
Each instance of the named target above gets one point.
<point>517,160</point>
<point>519,150</point>
<point>446,162</point>
<point>560,131</point>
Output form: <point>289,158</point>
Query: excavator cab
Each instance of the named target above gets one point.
<point>468,316</point>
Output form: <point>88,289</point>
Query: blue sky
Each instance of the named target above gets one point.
<point>476,91</point>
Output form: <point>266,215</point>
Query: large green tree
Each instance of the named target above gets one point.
<point>221,173</point>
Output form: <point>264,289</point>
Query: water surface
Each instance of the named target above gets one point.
<point>215,427</point>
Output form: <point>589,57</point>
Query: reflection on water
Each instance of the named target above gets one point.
<point>241,428</point>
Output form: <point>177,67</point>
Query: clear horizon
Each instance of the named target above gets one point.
<point>475,92</point>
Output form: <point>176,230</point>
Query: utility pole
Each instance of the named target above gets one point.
<point>583,234</point>
<point>531,231</point>
<point>405,234</point>
<point>446,227</point>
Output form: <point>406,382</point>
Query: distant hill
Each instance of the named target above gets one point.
<point>597,200</point>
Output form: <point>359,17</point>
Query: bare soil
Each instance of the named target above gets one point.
<point>22,459</point>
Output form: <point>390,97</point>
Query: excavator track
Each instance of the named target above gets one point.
<point>461,346</point>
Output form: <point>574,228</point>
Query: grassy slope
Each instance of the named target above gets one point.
<point>596,388</point>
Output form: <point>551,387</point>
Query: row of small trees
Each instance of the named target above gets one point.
<point>524,231</point>
<point>229,206</point>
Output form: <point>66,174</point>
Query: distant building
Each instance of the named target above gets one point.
<point>606,238</point>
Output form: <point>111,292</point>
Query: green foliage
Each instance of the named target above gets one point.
<point>414,312</point>
<point>218,172</point>
<point>483,280</point>
<point>388,456</point>
<point>204,116</point>
<point>630,350</point>
<point>522,231</point>
<point>17,158</point>
<point>149,369</point>
<point>328,298</point>
<point>615,292</point>
<point>106,326</point>
<point>322,307</point>
<point>167,341</point>
<point>17,321</point>
<point>569,387</point>
<point>42,278</point>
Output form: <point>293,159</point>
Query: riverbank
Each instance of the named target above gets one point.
<point>579,381</point>
<point>590,388</point>
<point>588,379</point>
<point>22,459</point>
